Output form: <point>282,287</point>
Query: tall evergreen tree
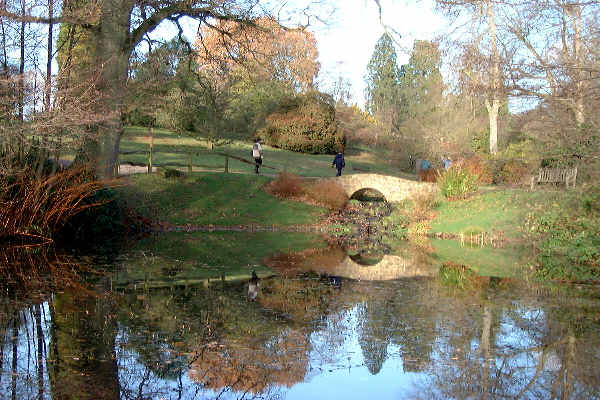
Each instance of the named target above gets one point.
<point>421,82</point>
<point>383,82</point>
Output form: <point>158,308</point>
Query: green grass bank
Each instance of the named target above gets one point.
<point>172,148</point>
<point>213,198</point>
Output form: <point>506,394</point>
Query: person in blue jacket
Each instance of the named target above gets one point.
<point>339,163</point>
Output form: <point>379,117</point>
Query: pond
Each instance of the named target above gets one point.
<point>176,317</point>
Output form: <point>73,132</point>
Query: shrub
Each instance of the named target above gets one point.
<point>457,182</point>
<point>428,175</point>
<point>306,124</point>
<point>567,238</point>
<point>287,185</point>
<point>513,172</point>
<point>480,168</point>
<point>423,205</point>
<point>330,195</point>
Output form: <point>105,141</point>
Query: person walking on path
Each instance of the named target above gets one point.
<point>257,154</point>
<point>339,163</point>
<point>446,162</point>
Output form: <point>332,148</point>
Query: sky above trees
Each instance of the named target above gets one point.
<point>346,46</point>
<point>347,41</point>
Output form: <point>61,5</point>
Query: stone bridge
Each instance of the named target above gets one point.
<point>393,189</point>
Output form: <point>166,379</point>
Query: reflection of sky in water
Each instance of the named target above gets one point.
<point>341,372</point>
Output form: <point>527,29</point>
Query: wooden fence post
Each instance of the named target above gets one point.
<point>151,147</point>
<point>190,162</point>
<point>226,163</point>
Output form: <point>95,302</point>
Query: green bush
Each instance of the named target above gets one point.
<point>306,124</point>
<point>513,172</point>
<point>457,182</point>
<point>567,238</point>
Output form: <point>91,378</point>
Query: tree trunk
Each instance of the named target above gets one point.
<point>48,87</point>
<point>4,51</point>
<point>21,89</point>
<point>580,84</point>
<point>495,78</point>
<point>492,109</point>
<point>486,334</point>
<point>112,57</point>
<point>40,344</point>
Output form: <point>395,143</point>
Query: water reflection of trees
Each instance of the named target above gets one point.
<point>492,345</point>
<point>481,338</point>
<point>52,350</point>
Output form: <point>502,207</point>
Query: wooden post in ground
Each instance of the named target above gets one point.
<point>150,147</point>
<point>226,164</point>
<point>190,162</point>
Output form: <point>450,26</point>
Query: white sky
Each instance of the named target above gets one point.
<point>346,47</point>
<point>347,43</point>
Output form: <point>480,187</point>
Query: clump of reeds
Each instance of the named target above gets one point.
<point>461,277</point>
<point>36,206</point>
<point>325,193</point>
<point>423,205</point>
<point>287,186</point>
<point>328,194</point>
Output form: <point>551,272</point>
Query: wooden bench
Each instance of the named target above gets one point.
<point>555,175</point>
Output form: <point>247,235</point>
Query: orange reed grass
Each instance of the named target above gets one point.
<point>37,206</point>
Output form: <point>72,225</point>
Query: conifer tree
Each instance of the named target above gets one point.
<point>383,83</point>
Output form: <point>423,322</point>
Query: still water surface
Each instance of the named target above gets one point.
<point>324,325</point>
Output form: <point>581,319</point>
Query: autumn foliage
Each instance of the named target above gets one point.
<point>325,193</point>
<point>260,49</point>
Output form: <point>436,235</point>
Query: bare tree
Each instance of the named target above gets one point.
<point>483,24</point>
<point>116,27</point>
<point>540,51</point>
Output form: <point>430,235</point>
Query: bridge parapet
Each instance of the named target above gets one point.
<point>393,189</point>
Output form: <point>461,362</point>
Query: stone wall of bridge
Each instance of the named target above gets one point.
<point>393,189</point>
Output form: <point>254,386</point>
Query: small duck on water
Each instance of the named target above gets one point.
<point>253,285</point>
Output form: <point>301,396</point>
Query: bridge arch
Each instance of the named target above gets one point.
<point>392,188</point>
<point>368,194</point>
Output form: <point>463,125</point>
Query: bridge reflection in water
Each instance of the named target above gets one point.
<point>411,262</point>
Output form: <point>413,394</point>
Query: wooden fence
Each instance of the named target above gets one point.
<point>189,165</point>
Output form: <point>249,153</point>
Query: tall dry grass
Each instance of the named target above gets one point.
<point>38,206</point>
<point>287,186</point>
<point>325,193</point>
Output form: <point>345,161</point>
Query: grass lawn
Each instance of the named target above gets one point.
<point>492,210</point>
<point>213,198</point>
<point>167,144</point>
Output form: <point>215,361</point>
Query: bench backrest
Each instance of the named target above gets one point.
<point>556,174</point>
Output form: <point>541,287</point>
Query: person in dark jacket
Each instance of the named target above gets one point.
<point>339,163</point>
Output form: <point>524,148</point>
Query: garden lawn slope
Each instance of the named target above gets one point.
<point>499,210</point>
<point>213,199</point>
<point>171,148</point>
